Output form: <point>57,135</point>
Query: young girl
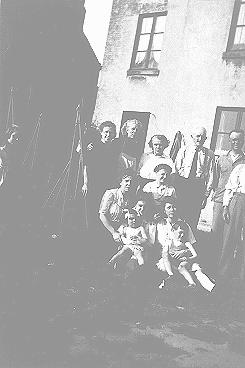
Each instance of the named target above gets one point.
<point>132,237</point>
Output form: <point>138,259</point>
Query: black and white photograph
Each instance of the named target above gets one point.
<point>122,183</point>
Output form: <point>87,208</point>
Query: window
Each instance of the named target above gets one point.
<point>226,119</point>
<point>236,42</point>
<point>148,44</point>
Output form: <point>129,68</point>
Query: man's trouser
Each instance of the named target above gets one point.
<point>232,255</point>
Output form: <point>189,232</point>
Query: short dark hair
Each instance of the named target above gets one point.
<point>126,173</point>
<point>166,200</point>
<point>149,204</point>
<point>109,124</point>
<point>170,200</point>
<point>162,138</point>
<point>142,196</point>
<point>240,131</point>
<point>163,167</point>
<point>182,224</point>
<point>131,211</point>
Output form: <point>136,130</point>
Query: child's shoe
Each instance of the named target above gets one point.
<point>162,284</point>
<point>195,267</point>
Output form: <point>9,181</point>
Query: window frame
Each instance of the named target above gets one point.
<point>240,111</point>
<point>134,70</point>
<point>231,52</point>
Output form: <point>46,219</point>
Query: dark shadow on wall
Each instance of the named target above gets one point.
<point>48,62</point>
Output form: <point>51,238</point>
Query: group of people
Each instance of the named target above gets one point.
<point>144,207</point>
<point>149,205</point>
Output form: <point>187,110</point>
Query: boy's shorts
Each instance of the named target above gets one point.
<point>189,264</point>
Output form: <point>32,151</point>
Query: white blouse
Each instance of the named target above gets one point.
<point>235,184</point>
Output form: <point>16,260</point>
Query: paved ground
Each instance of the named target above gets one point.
<point>58,311</point>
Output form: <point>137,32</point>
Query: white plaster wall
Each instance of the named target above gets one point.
<point>193,78</point>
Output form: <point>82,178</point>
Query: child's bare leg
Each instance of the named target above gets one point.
<point>140,259</point>
<point>161,265</point>
<point>118,255</point>
<point>185,273</point>
<point>168,267</point>
<point>202,278</point>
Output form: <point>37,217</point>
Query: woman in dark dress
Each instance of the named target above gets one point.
<point>100,169</point>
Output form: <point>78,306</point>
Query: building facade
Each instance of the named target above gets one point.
<point>175,64</point>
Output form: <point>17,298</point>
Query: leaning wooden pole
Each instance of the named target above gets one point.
<point>81,165</point>
<point>68,172</point>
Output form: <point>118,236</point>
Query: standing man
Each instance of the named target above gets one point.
<point>195,166</point>
<point>223,168</point>
<point>232,258</point>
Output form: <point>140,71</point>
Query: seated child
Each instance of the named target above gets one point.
<point>140,207</point>
<point>181,252</point>
<point>164,226</point>
<point>160,187</point>
<point>132,237</point>
<point>144,209</point>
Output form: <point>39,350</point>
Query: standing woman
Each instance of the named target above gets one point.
<point>158,143</point>
<point>100,169</point>
<point>131,141</point>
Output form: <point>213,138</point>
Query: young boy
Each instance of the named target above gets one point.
<point>176,239</point>
<point>179,251</point>
<point>132,236</point>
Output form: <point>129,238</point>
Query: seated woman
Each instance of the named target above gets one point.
<point>160,187</point>
<point>113,204</point>
<point>176,239</point>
